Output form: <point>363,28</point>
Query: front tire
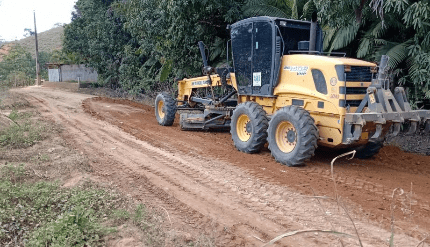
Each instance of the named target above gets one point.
<point>249,127</point>
<point>292,135</point>
<point>165,109</point>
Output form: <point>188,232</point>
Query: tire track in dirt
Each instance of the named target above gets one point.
<point>147,191</point>
<point>164,165</point>
<point>386,167</point>
<point>371,206</point>
<point>115,140</point>
<point>146,137</point>
<point>372,187</point>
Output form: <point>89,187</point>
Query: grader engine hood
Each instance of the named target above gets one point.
<point>381,108</point>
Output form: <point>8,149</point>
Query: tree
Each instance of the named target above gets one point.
<point>97,35</point>
<point>168,32</point>
<point>137,44</point>
<point>59,24</point>
<point>294,9</point>
<point>398,29</point>
<point>28,32</point>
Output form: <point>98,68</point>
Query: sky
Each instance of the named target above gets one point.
<point>16,15</point>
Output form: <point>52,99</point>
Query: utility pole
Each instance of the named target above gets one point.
<point>37,53</point>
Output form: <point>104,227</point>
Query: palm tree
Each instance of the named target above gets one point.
<point>399,29</point>
<point>295,9</point>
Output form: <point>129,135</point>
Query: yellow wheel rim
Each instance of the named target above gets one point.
<point>160,109</point>
<point>286,136</point>
<point>241,128</point>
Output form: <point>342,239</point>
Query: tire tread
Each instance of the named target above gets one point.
<point>308,135</point>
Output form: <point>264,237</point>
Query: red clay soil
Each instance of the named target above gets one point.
<point>207,187</point>
<point>367,185</point>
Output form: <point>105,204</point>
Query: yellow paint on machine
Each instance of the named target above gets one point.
<point>296,83</point>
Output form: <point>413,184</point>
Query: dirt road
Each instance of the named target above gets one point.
<point>207,186</point>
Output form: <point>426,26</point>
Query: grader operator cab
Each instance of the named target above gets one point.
<point>285,91</point>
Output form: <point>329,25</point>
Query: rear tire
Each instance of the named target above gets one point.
<point>292,135</point>
<point>165,109</point>
<point>249,127</point>
<point>368,150</point>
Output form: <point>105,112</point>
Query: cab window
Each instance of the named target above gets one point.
<point>319,81</point>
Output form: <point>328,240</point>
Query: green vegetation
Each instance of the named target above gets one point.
<point>41,213</point>
<point>24,133</point>
<point>44,214</point>
<point>399,29</point>
<point>140,45</point>
<point>137,44</point>
<point>18,67</point>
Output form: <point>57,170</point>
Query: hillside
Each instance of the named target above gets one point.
<point>48,41</point>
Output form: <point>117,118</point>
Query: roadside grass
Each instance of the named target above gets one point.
<point>24,133</point>
<point>149,222</point>
<point>45,214</point>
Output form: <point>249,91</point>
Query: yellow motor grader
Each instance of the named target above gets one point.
<point>286,91</point>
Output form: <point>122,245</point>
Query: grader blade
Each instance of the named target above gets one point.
<point>427,128</point>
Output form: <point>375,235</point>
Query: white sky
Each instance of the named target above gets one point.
<point>16,15</point>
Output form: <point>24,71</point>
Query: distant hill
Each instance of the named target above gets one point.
<point>48,41</point>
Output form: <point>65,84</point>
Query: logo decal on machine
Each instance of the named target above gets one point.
<point>199,83</point>
<point>301,70</point>
<point>256,79</point>
<point>333,81</point>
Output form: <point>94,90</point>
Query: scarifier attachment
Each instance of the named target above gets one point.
<point>427,127</point>
<point>210,118</point>
<point>383,107</point>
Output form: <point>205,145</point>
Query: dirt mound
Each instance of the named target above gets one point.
<point>5,122</point>
<point>416,143</point>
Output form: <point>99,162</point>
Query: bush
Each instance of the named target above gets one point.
<point>18,79</point>
<point>18,68</point>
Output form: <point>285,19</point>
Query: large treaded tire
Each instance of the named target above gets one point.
<point>165,109</point>
<point>368,150</point>
<point>256,128</point>
<point>302,135</point>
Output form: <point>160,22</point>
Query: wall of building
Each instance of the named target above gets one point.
<point>54,75</point>
<point>66,85</point>
<point>73,73</point>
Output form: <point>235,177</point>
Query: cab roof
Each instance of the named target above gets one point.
<point>272,19</point>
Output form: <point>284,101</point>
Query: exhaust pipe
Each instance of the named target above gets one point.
<point>382,73</point>
<point>202,52</point>
<point>313,33</point>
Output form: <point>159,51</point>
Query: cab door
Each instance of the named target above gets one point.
<point>241,37</point>
<point>262,58</point>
